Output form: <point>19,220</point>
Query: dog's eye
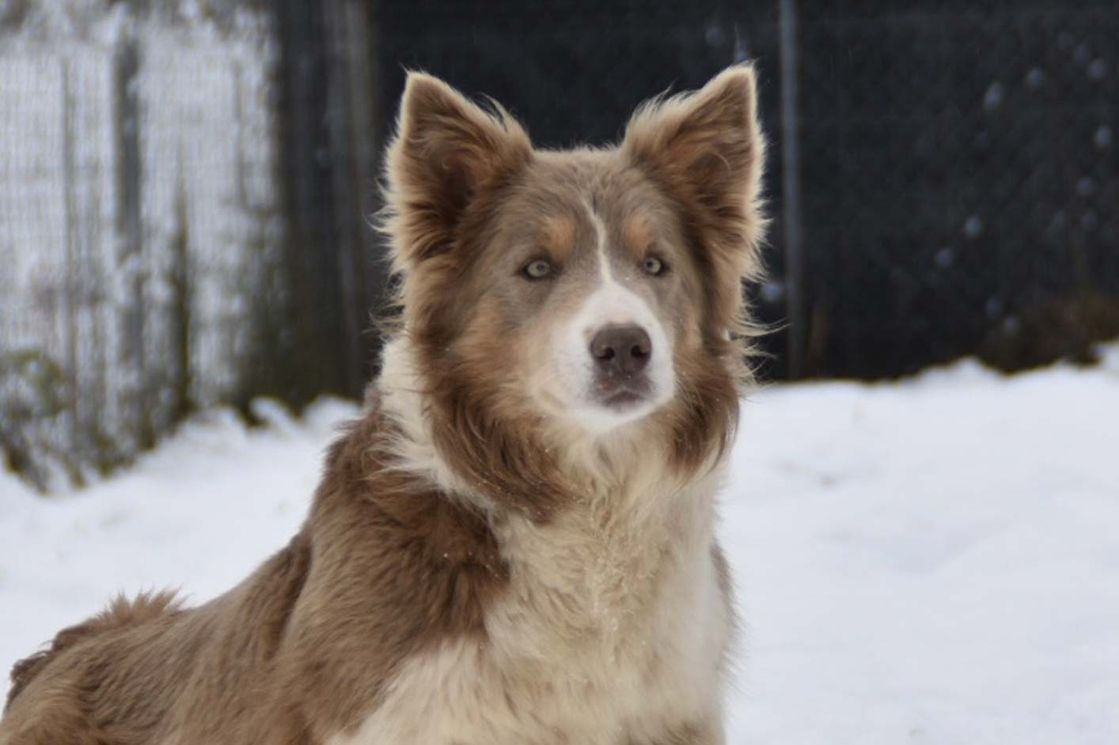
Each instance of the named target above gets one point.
<point>654,266</point>
<point>537,269</point>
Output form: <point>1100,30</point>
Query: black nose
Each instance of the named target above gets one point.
<point>621,349</point>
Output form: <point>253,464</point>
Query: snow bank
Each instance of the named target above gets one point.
<point>933,561</point>
<point>930,562</point>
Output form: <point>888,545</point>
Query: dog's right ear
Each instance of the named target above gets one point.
<point>447,152</point>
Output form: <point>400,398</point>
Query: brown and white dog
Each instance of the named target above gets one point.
<point>514,544</point>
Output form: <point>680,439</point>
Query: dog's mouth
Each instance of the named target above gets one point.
<point>622,394</point>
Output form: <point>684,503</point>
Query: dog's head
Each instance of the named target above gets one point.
<point>576,301</point>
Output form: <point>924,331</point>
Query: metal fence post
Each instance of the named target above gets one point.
<point>790,165</point>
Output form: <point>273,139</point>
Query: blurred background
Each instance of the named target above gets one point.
<point>186,185</point>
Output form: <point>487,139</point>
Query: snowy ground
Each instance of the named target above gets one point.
<point>935,561</point>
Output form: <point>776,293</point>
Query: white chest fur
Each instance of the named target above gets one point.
<point>610,632</point>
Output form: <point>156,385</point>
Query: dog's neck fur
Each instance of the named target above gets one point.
<point>597,561</point>
<point>622,471</point>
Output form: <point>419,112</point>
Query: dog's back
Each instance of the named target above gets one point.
<point>147,671</point>
<point>121,614</point>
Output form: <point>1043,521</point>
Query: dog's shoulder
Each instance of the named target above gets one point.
<point>397,566</point>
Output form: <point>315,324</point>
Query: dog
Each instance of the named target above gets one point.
<point>514,542</point>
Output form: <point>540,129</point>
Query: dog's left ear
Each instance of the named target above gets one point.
<point>446,154</point>
<point>706,149</point>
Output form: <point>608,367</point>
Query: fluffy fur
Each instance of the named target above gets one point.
<point>503,548</point>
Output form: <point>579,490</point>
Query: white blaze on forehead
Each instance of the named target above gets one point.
<point>612,302</point>
<point>601,245</point>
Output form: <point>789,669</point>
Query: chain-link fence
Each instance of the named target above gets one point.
<point>138,227</point>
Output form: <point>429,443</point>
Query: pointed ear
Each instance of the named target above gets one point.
<point>446,154</point>
<point>706,149</point>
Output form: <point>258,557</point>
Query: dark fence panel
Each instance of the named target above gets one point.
<point>959,182</point>
<point>328,133</point>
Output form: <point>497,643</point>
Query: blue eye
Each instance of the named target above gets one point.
<point>654,266</point>
<point>537,269</point>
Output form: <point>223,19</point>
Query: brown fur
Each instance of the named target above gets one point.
<point>689,734</point>
<point>120,614</point>
<point>389,565</point>
<point>448,167</point>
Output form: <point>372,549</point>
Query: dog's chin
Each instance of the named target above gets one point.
<point>598,409</point>
<point>604,412</point>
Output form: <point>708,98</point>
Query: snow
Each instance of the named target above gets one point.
<point>929,561</point>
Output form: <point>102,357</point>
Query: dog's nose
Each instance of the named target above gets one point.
<point>621,349</point>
